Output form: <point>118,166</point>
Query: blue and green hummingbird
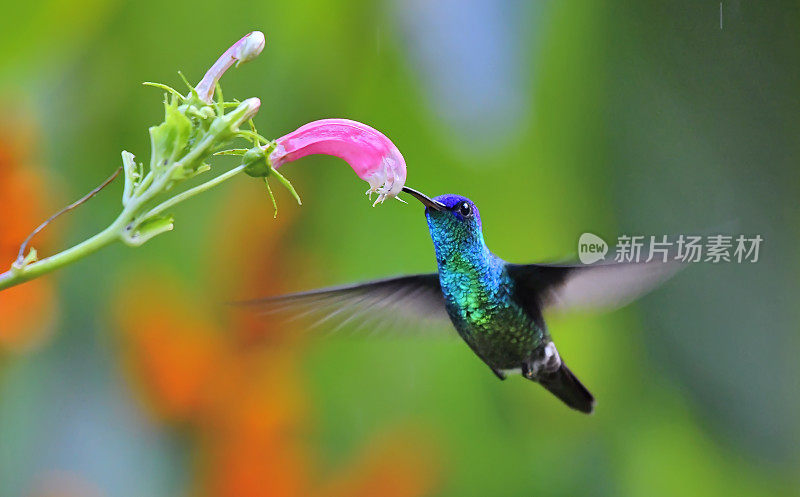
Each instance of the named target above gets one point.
<point>495,306</point>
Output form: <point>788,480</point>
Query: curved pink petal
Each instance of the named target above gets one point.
<point>373,157</point>
<point>247,48</point>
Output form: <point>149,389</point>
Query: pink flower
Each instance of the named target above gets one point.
<point>243,50</point>
<point>373,157</point>
<point>248,108</point>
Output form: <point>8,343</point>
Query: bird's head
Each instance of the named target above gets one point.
<point>453,220</point>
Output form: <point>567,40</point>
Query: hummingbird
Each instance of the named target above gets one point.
<point>495,306</point>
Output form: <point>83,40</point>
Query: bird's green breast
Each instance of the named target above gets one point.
<point>479,300</point>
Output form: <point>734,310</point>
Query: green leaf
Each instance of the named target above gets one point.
<point>149,228</point>
<point>164,87</point>
<point>169,140</point>
<point>232,151</point>
<point>132,176</point>
<point>180,174</point>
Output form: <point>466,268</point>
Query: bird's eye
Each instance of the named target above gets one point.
<point>465,209</point>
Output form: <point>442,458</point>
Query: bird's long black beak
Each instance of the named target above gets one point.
<point>426,201</point>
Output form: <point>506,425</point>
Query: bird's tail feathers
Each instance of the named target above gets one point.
<point>564,385</point>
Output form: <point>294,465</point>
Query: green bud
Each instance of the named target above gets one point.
<point>256,163</point>
<point>207,112</point>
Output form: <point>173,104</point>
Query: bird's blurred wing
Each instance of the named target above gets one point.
<point>582,287</point>
<point>406,303</point>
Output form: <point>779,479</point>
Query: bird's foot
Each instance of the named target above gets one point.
<point>544,360</point>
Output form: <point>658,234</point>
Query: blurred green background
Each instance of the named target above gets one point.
<point>126,375</point>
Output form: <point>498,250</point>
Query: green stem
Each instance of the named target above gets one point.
<point>144,185</point>
<point>135,198</point>
<point>15,276</point>
<point>192,192</point>
<point>112,233</point>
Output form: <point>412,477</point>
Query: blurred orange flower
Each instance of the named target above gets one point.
<point>399,465</point>
<point>171,350</point>
<point>27,312</point>
<point>236,392</point>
